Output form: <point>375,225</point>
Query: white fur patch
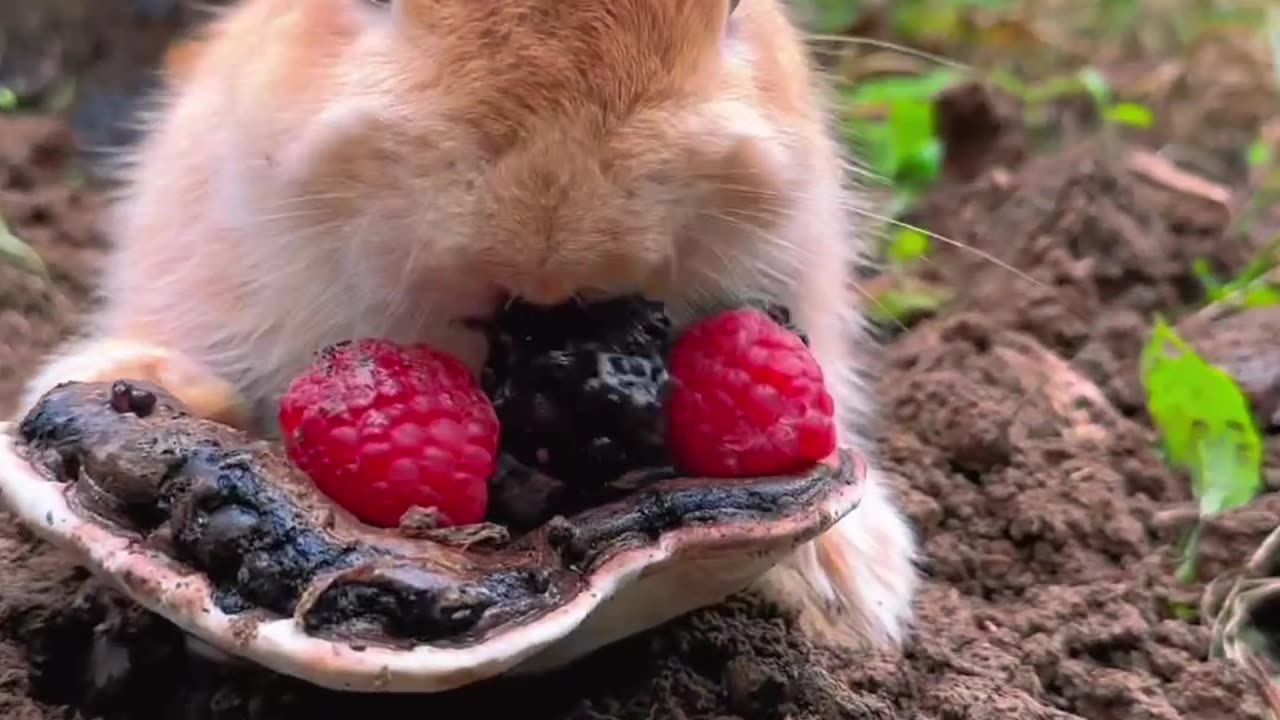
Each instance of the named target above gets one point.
<point>882,549</point>
<point>871,605</point>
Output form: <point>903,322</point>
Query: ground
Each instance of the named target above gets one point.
<point>1015,433</point>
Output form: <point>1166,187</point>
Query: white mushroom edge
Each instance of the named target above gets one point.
<point>688,567</point>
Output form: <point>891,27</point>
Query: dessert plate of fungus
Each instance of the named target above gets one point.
<point>221,533</point>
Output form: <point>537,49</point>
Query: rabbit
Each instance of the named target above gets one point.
<point>317,170</point>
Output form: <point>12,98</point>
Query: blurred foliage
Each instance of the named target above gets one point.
<point>1043,52</point>
<point>904,299</point>
<point>1206,427</point>
<point>891,121</point>
<point>890,59</point>
<point>1252,287</point>
<point>908,245</point>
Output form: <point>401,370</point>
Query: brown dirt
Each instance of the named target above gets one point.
<point>1014,430</point>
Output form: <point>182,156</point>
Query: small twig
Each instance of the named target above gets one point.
<point>1182,515</point>
<point>1162,172</point>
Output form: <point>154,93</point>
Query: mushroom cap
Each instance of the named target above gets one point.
<point>219,534</point>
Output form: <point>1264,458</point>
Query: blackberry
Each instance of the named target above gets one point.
<point>578,388</point>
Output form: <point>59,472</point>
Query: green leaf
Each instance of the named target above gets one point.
<point>1260,265</point>
<point>908,245</point>
<point>921,164</point>
<point>1132,114</point>
<point>1261,295</point>
<point>1208,279</point>
<point>1204,420</point>
<point>876,141</point>
<point>1226,471</point>
<point>1095,84</point>
<point>891,121</point>
<point>1251,288</point>
<point>918,150</point>
<point>902,150</point>
<point>904,306</point>
<point>922,87</point>
<point>8,100</point>
<point>912,123</point>
<point>1258,154</point>
<point>904,303</point>
<point>1184,611</point>
<point>19,254</point>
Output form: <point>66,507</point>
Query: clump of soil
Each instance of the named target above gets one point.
<point>1079,253</point>
<point>1014,434</point>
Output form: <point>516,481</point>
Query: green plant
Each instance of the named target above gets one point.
<point>1183,611</point>
<point>1251,288</point>
<point>8,99</point>
<point>907,246</point>
<point>906,301</point>
<point>905,298</point>
<point>1087,81</point>
<point>1206,428</point>
<point>1112,111</point>
<point>1258,154</point>
<point>1261,157</point>
<point>893,120</point>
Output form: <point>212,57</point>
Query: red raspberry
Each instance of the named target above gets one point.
<point>746,398</point>
<point>381,428</point>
